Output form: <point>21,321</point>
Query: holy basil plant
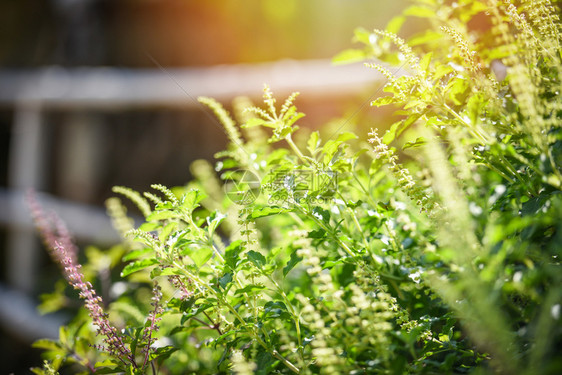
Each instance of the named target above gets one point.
<point>433,247</point>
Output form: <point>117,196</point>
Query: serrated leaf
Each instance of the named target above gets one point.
<point>383,100</point>
<point>138,266</point>
<point>256,258</point>
<point>441,71</point>
<point>214,221</point>
<point>321,214</point>
<point>276,309</point>
<point>293,261</point>
<point>199,254</point>
<point>267,211</point>
<point>231,254</point>
<point>167,230</point>
<point>162,352</point>
<point>399,127</point>
<point>191,199</point>
<point>249,288</point>
<point>420,141</point>
<point>254,121</point>
<point>162,215</point>
<point>332,146</point>
<point>317,233</point>
<point>225,280</point>
<point>195,312</point>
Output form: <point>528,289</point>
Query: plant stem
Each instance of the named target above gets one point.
<point>222,300</point>
<point>472,129</point>
<point>291,310</point>
<point>295,148</point>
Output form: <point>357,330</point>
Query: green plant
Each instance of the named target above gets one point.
<point>434,249</point>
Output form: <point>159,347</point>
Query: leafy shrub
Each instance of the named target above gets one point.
<point>434,249</point>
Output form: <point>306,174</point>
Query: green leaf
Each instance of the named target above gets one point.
<point>425,37</point>
<point>162,352</point>
<point>254,121</point>
<point>457,89</point>
<point>191,199</point>
<point>108,370</point>
<point>362,35</point>
<point>383,100</point>
<point>199,254</point>
<point>474,106</point>
<point>420,141</point>
<point>167,230</point>
<point>317,233</point>
<point>195,312</point>
<point>417,105</point>
<point>182,305</point>
<point>257,259</point>
<point>424,63</point>
<point>232,254</point>
<point>63,335</point>
<point>267,211</point>
<point>332,146</point>
<point>295,259</point>
<point>162,215</point>
<point>349,56</point>
<point>313,142</point>
<point>264,362</point>
<point>276,309</point>
<point>399,127</point>
<point>138,266</point>
<point>225,280</point>
<point>46,344</point>
<point>419,11</point>
<point>441,71</point>
<point>395,24</point>
<point>149,227</point>
<point>249,288</point>
<point>135,254</point>
<point>321,214</point>
<point>214,221</point>
<point>346,136</point>
<point>136,338</point>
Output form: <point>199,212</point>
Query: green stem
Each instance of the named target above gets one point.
<point>218,253</point>
<point>498,171</point>
<point>295,148</point>
<point>472,129</point>
<point>328,230</point>
<point>291,310</point>
<point>225,303</point>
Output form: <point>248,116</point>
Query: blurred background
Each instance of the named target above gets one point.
<point>97,93</point>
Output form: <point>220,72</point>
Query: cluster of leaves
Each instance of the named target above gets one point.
<point>448,263</point>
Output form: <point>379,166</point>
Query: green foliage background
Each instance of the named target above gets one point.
<point>439,251</point>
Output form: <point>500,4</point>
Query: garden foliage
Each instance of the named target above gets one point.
<point>432,248</point>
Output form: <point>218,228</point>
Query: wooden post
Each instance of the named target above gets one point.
<point>25,171</point>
